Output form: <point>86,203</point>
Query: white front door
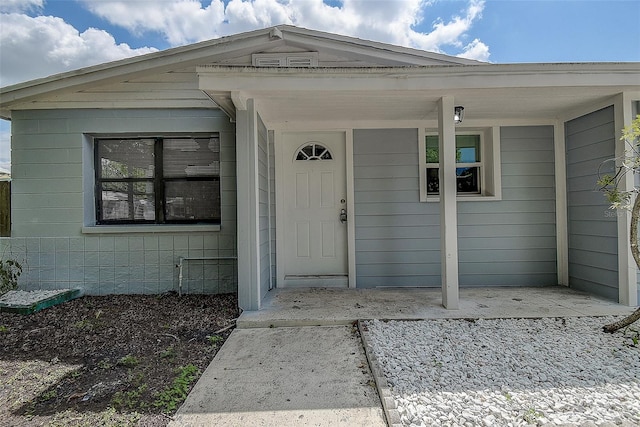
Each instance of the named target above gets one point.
<point>314,208</point>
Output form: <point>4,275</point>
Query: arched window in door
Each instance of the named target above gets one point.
<point>314,151</point>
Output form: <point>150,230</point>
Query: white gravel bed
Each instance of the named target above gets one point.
<point>26,298</point>
<point>509,372</point>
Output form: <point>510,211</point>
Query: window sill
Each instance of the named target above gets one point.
<point>155,228</point>
<point>436,199</point>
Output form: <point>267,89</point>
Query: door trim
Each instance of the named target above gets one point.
<point>351,211</point>
<point>280,202</point>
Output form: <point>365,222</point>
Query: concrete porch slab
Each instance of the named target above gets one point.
<point>325,306</point>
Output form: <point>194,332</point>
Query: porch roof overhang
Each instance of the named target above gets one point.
<point>489,92</point>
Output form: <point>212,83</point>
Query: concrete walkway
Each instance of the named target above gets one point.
<point>309,376</point>
<point>313,374</point>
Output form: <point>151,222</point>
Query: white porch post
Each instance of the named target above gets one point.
<point>247,206</point>
<point>448,205</point>
<point>562,234</point>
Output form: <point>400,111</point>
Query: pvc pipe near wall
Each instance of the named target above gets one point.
<point>199,258</point>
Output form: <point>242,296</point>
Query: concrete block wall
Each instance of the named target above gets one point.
<point>101,265</point>
<point>54,233</point>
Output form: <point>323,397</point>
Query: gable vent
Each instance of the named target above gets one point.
<point>268,62</point>
<point>305,59</point>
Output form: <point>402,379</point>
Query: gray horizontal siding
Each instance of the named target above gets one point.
<point>593,243</point>
<point>397,237</point>
<point>511,242</point>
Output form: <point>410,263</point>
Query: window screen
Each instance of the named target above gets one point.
<point>158,180</point>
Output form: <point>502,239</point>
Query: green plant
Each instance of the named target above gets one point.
<point>105,364</point>
<point>169,353</point>
<point>169,399</point>
<point>129,361</point>
<point>10,270</point>
<point>531,416</point>
<point>129,399</point>
<point>631,333</point>
<point>51,394</point>
<point>620,197</point>
<point>3,329</point>
<point>215,339</point>
<point>83,324</point>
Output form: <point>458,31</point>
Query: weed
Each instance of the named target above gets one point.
<point>129,361</point>
<point>169,399</point>
<point>169,353</point>
<point>129,399</point>
<point>83,324</point>
<point>104,364</point>
<point>3,329</point>
<point>215,339</point>
<point>531,416</point>
<point>10,270</point>
<point>630,333</point>
<point>507,396</point>
<point>51,394</point>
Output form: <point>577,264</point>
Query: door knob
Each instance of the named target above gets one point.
<point>343,215</point>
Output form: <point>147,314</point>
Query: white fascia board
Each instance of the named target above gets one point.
<point>420,78</point>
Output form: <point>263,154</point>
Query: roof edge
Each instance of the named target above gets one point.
<point>230,39</point>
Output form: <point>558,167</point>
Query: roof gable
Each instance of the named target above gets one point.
<point>331,50</point>
<point>341,51</point>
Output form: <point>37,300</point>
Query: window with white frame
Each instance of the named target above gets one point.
<point>157,180</point>
<point>468,164</point>
<point>477,165</point>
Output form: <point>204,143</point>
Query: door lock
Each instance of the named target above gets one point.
<point>343,215</point>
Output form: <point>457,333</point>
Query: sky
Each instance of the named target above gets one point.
<point>44,37</point>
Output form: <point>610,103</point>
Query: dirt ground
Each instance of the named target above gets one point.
<point>108,361</point>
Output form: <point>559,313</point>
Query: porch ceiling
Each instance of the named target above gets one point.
<point>506,92</point>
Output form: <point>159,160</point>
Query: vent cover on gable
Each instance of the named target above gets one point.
<point>300,60</point>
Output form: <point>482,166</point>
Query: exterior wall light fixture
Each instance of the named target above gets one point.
<point>458,114</point>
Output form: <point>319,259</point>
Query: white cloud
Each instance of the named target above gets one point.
<point>5,145</point>
<point>476,50</point>
<point>186,21</point>
<point>9,6</point>
<point>38,46</point>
